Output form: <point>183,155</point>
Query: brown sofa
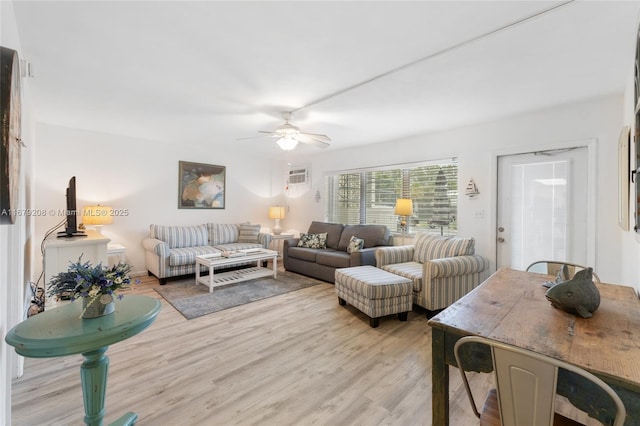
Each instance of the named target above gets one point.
<point>321,263</point>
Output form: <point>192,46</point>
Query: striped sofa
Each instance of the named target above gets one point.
<point>443,269</point>
<point>171,251</point>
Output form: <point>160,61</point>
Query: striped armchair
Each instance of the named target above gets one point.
<point>443,269</point>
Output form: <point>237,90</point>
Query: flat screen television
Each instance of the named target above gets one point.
<point>71,228</point>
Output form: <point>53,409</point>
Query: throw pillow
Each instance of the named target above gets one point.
<point>428,247</point>
<point>248,233</point>
<point>180,236</point>
<point>317,241</point>
<point>223,233</point>
<point>355,244</point>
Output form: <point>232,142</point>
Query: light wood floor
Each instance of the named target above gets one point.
<point>294,359</point>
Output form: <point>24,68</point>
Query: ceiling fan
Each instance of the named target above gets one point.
<point>289,135</point>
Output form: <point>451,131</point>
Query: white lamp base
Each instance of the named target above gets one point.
<point>277,230</point>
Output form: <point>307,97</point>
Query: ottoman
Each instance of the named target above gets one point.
<point>374,292</point>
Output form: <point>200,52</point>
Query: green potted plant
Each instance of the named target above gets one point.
<point>97,286</point>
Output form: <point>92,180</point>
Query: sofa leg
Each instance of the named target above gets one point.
<point>374,322</point>
<point>431,314</point>
<point>163,281</point>
<point>149,274</point>
<point>402,316</point>
<point>341,301</point>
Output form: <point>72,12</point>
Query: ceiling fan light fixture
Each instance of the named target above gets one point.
<point>287,143</point>
<point>288,129</point>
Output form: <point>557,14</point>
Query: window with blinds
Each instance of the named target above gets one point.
<point>369,196</point>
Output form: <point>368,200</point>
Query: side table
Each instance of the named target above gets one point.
<point>278,240</point>
<point>117,250</point>
<point>60,332</point>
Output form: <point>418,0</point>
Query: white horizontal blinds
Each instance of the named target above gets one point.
<point>369,196</point>
<point>344,194</point>
<point>434,191</point>
<point>382,188</point>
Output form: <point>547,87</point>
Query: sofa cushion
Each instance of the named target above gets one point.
<point>428,247</point>
<point>237,246</point>
<point>315,241</point>
<point>180,236</point>
<point>411,270</point>
<point>187,255</point>
<point>333,258</point>
<point>333,230</point>
<point>248,233</point>
<point>301,253</point>
<point>222,233</point>
<point>373,235</point>
<point>355,244</point>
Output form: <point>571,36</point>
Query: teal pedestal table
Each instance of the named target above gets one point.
<point>60,332</point>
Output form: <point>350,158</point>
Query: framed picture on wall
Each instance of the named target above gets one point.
<point>623,178</point>
<point>201,186</point>
<point>10,143</point>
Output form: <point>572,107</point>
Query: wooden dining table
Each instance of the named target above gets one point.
<point>510,307</point>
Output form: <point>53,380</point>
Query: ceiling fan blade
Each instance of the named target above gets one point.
<point>252,137</point>
<point>316,136</point>
<point>306,139</point>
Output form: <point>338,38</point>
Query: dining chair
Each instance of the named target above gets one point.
<point>554,267</point>
<point>526,382</point>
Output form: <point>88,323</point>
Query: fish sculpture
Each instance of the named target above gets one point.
<point>578,296</point>
<point>561,276</point>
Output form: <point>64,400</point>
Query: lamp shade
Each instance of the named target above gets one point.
<point>97,215</point>
<point>404,207</point>
<point>276,212</point>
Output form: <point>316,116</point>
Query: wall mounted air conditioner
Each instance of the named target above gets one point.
<point>298,176</point>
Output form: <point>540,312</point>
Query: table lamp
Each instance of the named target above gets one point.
<point>98,216</point>
<point>276,213</point>
<point>404,208</point>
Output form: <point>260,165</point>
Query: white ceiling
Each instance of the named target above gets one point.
<point>212,71</point>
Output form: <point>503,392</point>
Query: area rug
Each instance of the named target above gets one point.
<point>193,300</point>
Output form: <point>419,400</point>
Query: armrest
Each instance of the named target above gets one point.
<point>159,247</point>
<point>393,254</point>
<point>363,257</point>
<point>291,242</point>
<point>454,266</point>
<point>264,239</point>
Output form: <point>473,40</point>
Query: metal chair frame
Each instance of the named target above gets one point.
<point>525,378</point>
<point>556,262</point>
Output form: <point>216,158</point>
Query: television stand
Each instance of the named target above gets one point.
<point>63,234</point>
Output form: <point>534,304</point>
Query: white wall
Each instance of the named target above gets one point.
<point>141,177</point>
<point>476,148</point>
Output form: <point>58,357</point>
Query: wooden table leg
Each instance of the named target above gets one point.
<point>93,374</point>
<point>275,266</point>
<point>439,380</point>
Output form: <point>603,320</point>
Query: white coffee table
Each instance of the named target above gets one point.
<point>251,272</point>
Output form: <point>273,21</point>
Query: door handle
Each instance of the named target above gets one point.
<point>501,240</point>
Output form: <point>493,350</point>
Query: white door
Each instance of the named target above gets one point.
<point>542,207</point>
